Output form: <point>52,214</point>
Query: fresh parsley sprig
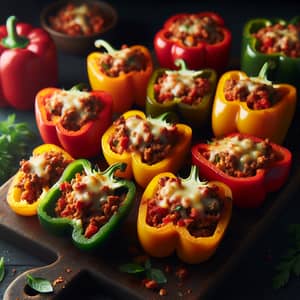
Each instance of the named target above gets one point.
<point>289,263</point>
<point>14,140</point>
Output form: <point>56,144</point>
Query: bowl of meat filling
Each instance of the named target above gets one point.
<point>74,25</point>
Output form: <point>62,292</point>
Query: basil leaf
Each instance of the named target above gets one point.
<point>131,268</point>
<point>2,269</point>
<point>157,275</point>
<point>39,284</point>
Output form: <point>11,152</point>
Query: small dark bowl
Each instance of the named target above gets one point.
<point>79,45</point>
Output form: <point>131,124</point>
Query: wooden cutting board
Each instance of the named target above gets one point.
<point>72,269</point>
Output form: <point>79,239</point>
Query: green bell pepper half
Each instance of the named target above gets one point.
<point>195,116</point>
<point>63,226</point>
<point>286,68</point>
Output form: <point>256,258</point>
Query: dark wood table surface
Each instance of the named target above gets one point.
<point>138,21</point>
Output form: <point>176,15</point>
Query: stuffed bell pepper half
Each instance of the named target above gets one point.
<point>200,39</point>
<point>252,167</point>
<point>88,203</point>
<point>253,105</point>
<point>183,215</point>
<point>275,40</point>
<point>147,145</point>
<point>188,93</point>
<point>73,119</point>
<point>124,73</point>
<point>35,177</point>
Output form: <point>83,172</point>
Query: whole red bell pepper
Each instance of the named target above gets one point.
<point>202,55</point>
<point>28,63</point>
<point>83,142</point>
<point>249,191</point>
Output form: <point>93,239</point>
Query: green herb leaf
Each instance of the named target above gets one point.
<point>14,138</point>
<point>281,279</point>
<point>38,284</point>
<point>157,275</point>
<point>132,268</point>
<point>2,269</point>
<point>289,262</point>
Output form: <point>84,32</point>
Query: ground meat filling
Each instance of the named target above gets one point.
<point>279,38</point>
<point>187,88</point>
<point>240,157</point>
<point>151,138</point>
<point>90,200</point>
<point>73,108</point>
<point>192,30</point>
<point>127,60</point>
<point>39,172</point>
<point>199,210</point>
<point>78,20</point>
<point>257,95</point>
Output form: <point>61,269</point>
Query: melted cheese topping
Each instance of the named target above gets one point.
<point>245,149</point>
<point>37,165</point>
<point>69,100</point>
<point>176,82</point>
<point>137,127</point>
<point>187,194</point>
<point>93,188</point>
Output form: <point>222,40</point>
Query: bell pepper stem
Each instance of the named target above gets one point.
<point>112,168</point>
<point>194,176</point>
<point>181,63</point>
<point>105,45</point>
<point>268,65</point>
<point>169,117</point>
<point>13,40</point>
<point>183,69</point>
<point>79,87</point>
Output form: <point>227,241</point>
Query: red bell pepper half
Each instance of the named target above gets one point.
<point>203,55</point>
<point>82,143</point>
<point>28,63</point>
<point>248,192</point>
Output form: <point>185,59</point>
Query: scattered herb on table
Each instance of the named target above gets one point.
<point>2,269</point>
<point>150,273</point>
<point>39,284</point>
<point>14,140</point>
<point>289,263</point>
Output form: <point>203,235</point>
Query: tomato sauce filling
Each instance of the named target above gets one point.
<point>279,38</point>
<point>256,94</point>
<point>124,61</point>
<point>240,157</point>
<point>152,138</point>
<point>91,200</point>
<point>197,207</point>
<point>78,20</point>
<point>185,87</point>
<point>192,30</point>
<point>73,108</point>
<point>39,172</point>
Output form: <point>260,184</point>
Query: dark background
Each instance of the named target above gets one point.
<point>138,22</point>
